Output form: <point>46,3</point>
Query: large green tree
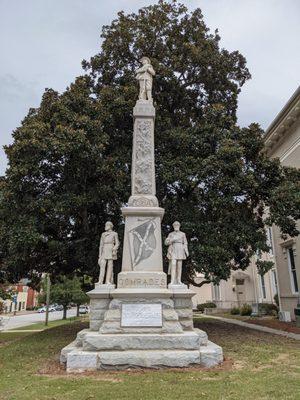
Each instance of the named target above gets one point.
<point>61,184</point>
<point>64,292</point>
<point>69,165</point>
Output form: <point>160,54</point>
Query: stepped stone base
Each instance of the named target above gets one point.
<point>108,344</point>
<point>91,341</point>
<point>79,360</point>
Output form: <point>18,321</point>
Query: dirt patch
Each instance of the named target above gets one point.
<point>53,369</point>
<point>262,367</point>
<point>276,324</point>
<point>238,365</point>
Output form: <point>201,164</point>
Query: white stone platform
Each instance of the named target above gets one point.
<point>78,360</point>
<point>110,345</point>
<point>143,341</point>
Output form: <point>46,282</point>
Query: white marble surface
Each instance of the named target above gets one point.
<point>138,279</point>
<point>141,315</point>
<point>143,341</point>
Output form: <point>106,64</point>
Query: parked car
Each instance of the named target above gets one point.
<point>59,307</point>
<point>83,310</point>
<point>43,309</point>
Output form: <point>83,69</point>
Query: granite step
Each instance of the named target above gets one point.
<point>189,340</point>
<point>79,360</point>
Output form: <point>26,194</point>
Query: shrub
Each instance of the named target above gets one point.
<point>268,309</point>
<point>200,307</point>
<point>246,309</point>
<point>235,311</point>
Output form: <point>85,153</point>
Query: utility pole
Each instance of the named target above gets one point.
<point>47,298</point>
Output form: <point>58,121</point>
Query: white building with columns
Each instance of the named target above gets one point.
<point>282,140</point>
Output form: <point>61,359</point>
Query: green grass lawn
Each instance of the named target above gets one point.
<point>258,366</point>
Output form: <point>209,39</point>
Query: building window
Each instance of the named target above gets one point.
<point>293,272</point>
<point>270,240</point>
<point>216,292</point>
<point>274,281</point>
<point>263,286</point>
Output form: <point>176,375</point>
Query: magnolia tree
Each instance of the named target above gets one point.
<point>69,163</point>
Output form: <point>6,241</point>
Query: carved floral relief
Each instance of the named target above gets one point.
<point>143,158</point>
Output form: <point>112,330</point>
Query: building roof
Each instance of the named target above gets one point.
<point>284,119</point>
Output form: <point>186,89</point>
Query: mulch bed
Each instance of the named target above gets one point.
<point>276,324</point>
<point>226,334</point>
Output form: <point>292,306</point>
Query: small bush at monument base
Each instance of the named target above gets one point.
<point>200,307</point>
<point>267,309</point>
<point>235,311</point>
<point>246,309</point>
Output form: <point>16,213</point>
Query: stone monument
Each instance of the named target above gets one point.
<point>142,322</point>
<point>109,244</point>
<point>177,251</point>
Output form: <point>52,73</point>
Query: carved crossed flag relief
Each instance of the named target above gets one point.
<point>142,241</point>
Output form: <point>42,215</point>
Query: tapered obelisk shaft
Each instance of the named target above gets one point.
<point>142,250</point>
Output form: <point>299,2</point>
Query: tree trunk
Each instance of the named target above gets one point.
<point>65,312</point>
<point>77,313</point>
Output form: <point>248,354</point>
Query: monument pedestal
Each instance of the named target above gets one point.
<point>137,327</point>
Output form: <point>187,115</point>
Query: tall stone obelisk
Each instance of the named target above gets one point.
<point>142,248</point>
<point>141,323</point>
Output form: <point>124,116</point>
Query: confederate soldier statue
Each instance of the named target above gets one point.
<point>109,244</point>
<point>177,251</point>
<point>145,77</point>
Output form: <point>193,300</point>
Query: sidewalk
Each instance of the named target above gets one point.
<point>24,312</point>
<point>295,336</point>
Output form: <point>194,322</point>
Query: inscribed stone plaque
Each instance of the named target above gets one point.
<point>141,315</point>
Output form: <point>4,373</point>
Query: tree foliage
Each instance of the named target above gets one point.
<point>6,292</point>
<point>65,291</point>
<point>69,165</point>
<point>62,182</point>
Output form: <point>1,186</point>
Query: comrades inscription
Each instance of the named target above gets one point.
<point>141,315</point>
<point>142,282</point>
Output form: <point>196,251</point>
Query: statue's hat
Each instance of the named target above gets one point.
<point>145,58</point>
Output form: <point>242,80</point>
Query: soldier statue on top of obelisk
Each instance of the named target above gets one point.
<point>144,75</point>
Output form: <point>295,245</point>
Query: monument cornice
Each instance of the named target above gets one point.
<point>143,211</point>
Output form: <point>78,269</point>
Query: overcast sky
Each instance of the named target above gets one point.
<point>42,43</point>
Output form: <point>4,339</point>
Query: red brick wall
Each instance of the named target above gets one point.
<point>31,296</point>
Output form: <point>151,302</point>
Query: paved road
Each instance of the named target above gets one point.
<point>12,322</point>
